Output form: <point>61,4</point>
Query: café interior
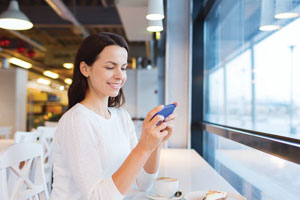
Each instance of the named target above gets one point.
<point>231,65</point>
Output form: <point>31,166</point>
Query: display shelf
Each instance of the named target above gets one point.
<point>43,106</point>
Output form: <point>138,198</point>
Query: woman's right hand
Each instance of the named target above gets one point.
<point>152,134</point>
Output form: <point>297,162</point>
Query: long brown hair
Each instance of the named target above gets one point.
<point>88,52</point>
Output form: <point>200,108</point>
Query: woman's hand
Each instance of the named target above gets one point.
<point>170,126</point>
<point>153,133</point>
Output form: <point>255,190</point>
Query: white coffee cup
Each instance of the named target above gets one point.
<point>165,186</point>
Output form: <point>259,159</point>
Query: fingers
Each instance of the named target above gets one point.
<point>167,136</point>
<point>161,127</point>
<point>164,133</point>
<point>155,121</point>
<point>171,117</point>
<point>170,125</point>
<point>153,112</point>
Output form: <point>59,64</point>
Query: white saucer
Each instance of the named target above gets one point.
<point>153,196</point>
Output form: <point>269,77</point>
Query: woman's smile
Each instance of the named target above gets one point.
<point>115,86</point>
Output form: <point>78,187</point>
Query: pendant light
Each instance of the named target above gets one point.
<point>14,19</point>
<point>286,9</point>
<point>155,26</point>
<point>267,20</point>
<point>155,10</point>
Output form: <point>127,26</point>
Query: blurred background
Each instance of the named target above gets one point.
<point>48,49</point>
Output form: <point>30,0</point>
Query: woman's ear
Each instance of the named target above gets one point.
<point>84,69</point>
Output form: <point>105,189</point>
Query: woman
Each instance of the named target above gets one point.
<point>96,152</point>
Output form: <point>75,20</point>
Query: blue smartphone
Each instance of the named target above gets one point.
<point>166,111</point>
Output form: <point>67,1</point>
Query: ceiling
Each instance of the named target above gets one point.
<point>55,37</point>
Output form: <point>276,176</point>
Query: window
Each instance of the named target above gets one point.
<point>251,77</point>
<point>252,87</point>
<point>255,174</point>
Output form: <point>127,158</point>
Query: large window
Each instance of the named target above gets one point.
<point>252,78</point>
<point>252,85</point>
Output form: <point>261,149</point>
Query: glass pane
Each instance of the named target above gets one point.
<point>238,90</point>
<point>252,77</point>
<point>256,175</point>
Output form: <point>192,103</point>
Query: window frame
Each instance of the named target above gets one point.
<point>283,147</point>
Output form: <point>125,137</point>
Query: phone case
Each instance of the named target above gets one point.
<point>166,111</point>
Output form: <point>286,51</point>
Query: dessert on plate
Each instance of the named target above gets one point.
<point>215,195</point>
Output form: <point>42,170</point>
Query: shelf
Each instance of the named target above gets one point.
<point>45,102</point>
<point>36,114</point>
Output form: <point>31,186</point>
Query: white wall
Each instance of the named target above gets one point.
<point>140,95</point>
<point>130,92</point>
<point>178,68</point>
<point>13,98</point>
<point>139,91</point>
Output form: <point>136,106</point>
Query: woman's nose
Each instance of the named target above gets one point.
<point>119,74</point>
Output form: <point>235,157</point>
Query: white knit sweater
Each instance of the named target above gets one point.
<point>88,150</point>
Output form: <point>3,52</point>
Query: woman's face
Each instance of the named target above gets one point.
<point>108,73</point>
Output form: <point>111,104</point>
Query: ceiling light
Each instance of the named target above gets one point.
<point>285,9</point>
<point>267,21</point>
<point>155,26</point>
<point>44,81</point>
<point>155,10</point>
<point>61,88</point>
<point>20,63</point>
<point>269,28</point>
<point>68,65</point>
<point>51,74</point>
<point>14,19</point>
<point>68,81</point>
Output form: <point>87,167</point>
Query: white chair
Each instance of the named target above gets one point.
<point>31,178</point>
<point>46,139</point>
<point>5,130</point>
<point>21,137</point>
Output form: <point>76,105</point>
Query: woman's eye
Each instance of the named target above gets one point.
<point>109,68</point>
<point>124,69</point>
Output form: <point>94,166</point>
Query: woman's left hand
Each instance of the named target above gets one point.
<point>170,126</point>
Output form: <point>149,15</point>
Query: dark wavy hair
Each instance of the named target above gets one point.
<point>88,52</point>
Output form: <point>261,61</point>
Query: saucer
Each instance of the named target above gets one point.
<point>154,196</point>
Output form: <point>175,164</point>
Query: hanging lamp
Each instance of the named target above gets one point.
<point>155,10</point>
<point>155,26</point>
<point>267,20</point>
<point>14,19</point>
<point>286,9</point>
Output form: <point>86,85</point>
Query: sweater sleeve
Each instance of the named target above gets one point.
<point>80,145</point>
<point>144,180</point>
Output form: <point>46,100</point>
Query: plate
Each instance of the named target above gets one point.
<point>153,196</point>
<point>198,195</point>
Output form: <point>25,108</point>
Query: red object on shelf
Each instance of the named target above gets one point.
<point>4,42</point>
<point>30,53</point>
<point>21,48</point>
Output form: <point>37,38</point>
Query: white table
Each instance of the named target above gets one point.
<point>192,171</point>
<point>5,143</point>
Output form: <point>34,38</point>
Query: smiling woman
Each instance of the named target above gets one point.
<point>96,151</point>
<point>106,75</point>
<point>86,57</point>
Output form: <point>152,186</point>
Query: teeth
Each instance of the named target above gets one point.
<point>115,85</point>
